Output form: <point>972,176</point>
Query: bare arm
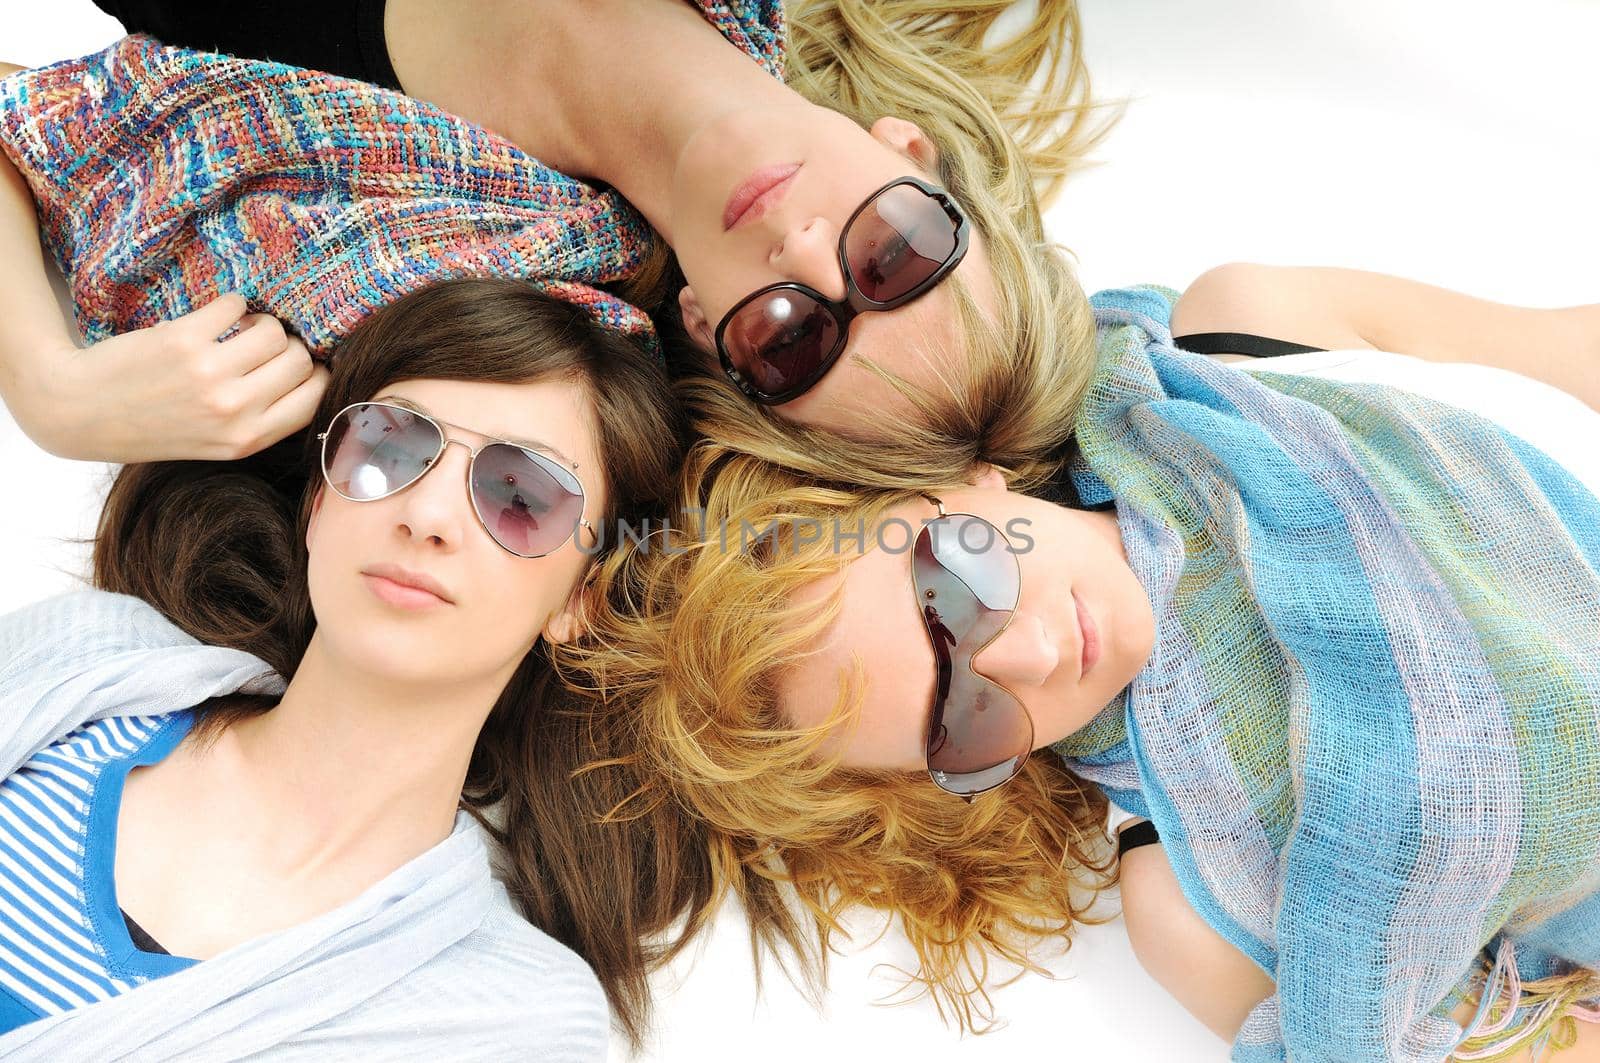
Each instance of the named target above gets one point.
<point>1346,308</point>
<point>30,322</point>
<point>1214,981</point>
<point>170,391</point>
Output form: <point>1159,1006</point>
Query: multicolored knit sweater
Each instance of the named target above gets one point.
<point>1369,731</point>
<point>165,177</point>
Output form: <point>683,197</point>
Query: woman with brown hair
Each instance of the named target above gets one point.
<point>255,782</point>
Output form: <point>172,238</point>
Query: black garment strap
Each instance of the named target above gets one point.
<point>1062,493</point>
<point>1239,343</point>
<point>1136,835</point>
<point>343,37</point>
<point>141,940</point>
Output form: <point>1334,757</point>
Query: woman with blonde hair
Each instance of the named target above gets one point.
<point>858,241</point>
<point>1335,641</point>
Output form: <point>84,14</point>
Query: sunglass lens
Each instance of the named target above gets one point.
<point>967,582</point>
<point>779,340</point>
<point>982,739</point>
<point>530,504</point>
<point>898,241</point>
<point>374,450</point>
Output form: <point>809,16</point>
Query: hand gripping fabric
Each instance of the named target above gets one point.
<point>165,177</point>
<point>1369,733</point>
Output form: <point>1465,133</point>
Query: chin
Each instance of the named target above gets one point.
<point>373,639</point>
<point>398,658</point>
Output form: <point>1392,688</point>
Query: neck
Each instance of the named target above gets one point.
<point>352,772</point>
<point>650,76</point>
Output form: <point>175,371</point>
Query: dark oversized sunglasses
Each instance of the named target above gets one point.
<point>777,342</point>
<point>967,581</point>
<point>527,502</point>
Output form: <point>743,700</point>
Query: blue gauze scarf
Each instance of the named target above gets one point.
<point>1369,732</point>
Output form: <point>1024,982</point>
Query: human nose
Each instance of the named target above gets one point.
<point>1023,654</point>
<point>809,255</point>
<point>435,507</point>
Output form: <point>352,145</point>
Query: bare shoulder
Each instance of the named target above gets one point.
<point>1214,981</point>
<point>1298,304</point>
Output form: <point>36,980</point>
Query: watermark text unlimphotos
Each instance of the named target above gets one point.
<point>893,535</point>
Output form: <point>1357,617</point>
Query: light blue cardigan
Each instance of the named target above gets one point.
<point>430,963</point>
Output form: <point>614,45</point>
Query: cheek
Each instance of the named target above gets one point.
<point>1136,633</point>
<point>720,277</point>
<point>526,592</point>
<point>331,535</point>
<point>889,738</point>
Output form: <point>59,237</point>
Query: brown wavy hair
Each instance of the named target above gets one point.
<point>695,643</point>
<point>218,547</point>
<point>1012,115</point>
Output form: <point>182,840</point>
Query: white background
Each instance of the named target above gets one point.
<point>1451,142</point>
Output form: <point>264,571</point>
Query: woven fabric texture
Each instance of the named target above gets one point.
<point>1369,732</point>
<point>165,177</point>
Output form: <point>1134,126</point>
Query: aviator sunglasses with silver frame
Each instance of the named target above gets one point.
<point>532,495</point>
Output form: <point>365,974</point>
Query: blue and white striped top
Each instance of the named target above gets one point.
<point>65,943</point>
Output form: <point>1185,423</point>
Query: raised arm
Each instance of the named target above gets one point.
<point>171,391</point>
<point>29,319</point>
<point>1346,308</point>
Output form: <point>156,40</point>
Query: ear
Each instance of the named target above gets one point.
<point>988,477</point>
<point>908,139</point>
<point>694,320</point>
<point>573,617</point>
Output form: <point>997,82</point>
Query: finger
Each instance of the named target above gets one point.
<point>278,376</point>
<point>264,327</point>
<point>250,321</point>
<point>295,410</point>
<point>260,339</point>
<point>213,319</point>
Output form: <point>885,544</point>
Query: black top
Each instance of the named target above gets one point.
<point>1238,343</point>
<point>1137,835</point>
<point>1061,492</point>
<point>141,941</point>
<point>342,37</point>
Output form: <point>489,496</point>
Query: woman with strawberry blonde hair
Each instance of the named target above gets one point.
<point>1334,642</point>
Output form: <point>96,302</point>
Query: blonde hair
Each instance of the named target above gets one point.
<point>1010,118</point>
<point>692,651</point>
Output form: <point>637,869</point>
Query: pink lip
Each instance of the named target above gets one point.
<point>1091,636</point>
<point>399,594</point>
<point>760,191</point>
<point>404,588</point>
